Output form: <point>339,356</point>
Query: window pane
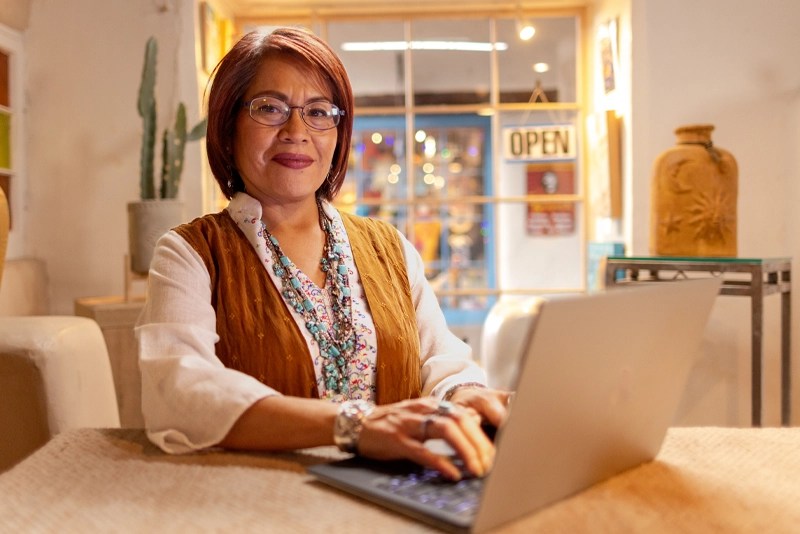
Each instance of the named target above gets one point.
<point>553,45</point>
<point>377,76</point>
<point>548,251</point>
<point>452,161</point>
<point>564,141</point>
<point>450,76</point>
<point>377,171</point>
<point>454,242</point>
<point>548,262</point>
<point>450,156</point>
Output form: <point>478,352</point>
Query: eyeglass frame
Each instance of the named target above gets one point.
<point>248,104</point>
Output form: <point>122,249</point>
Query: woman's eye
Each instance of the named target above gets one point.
<point>317,112</point>
<point>267,109</point>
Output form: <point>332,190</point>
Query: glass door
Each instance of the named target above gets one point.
<point>443,205</point>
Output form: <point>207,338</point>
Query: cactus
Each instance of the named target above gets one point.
<point>147,110</point>
<point>174,140</point>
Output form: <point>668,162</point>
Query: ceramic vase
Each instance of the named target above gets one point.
<point>147,221</point>
<point>694,194</point>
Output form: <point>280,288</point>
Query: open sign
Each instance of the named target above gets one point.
<point>540,143</point>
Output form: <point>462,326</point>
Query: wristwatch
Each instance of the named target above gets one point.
<point>348,424</point>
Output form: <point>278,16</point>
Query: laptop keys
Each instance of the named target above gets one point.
<point>428,487</point>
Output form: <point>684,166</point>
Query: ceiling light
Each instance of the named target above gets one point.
<point>526,30</point>
<point>541,67</point>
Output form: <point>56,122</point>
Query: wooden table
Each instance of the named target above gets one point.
<point>703,480</point>
<point>747,277</point>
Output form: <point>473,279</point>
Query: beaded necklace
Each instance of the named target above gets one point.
<point>337,340</point>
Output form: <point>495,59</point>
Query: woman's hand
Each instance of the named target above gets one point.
<point>399,431</point>
<point>491,404</point>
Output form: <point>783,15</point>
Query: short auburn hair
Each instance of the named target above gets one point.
<point>233,75</point>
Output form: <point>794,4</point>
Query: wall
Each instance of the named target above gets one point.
<point>731,63</point>
<point>683,62</point>
<point>15,13</point>
<point>84,60</point>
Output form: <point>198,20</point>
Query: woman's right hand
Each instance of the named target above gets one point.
<point>399,431</point>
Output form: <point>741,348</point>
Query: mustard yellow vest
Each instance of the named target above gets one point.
<point>258,335</point>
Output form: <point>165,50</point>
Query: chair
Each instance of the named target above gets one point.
<point>504,334</point>
<point>54,375</point>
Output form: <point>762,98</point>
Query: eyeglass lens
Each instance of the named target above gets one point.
<point>271,111</point>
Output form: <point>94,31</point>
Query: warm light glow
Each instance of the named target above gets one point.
<point>377,138</point>
<point>395,168</point>
<point>420,136</point>
<point>392,178</point>
<point>429,147</point>
<point>427,168</point>
<point>526,31</point>
<point>429,179</point>
<point>455,167</point>
<point>463,46</point>
<point>541,67</point>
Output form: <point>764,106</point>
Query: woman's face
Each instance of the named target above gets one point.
<point>286,163</point>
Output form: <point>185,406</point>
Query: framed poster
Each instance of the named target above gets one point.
<point>609,54</point>
<point>551,218</point>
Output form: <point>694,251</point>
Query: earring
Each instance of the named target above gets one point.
<point>330,179</point>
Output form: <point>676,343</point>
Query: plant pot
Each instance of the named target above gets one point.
<point>147,221</point>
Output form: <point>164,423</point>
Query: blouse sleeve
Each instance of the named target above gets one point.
<point>446,360</point>
<point>190,400</point>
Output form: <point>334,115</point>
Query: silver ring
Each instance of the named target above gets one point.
<point>445,408</point>
<point>423,426</point>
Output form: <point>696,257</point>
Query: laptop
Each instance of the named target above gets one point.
<point>600,379</point>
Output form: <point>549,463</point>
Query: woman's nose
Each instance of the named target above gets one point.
<point>295,125</point>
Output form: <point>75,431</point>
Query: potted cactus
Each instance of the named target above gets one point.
<point>158,209</point>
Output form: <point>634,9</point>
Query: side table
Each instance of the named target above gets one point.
<point>117,316</point>
<point>747,277</point>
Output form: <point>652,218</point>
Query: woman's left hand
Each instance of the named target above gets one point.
<point>490,404</point>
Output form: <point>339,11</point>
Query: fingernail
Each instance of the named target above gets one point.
<point>479,471</point>
<point>454,474</point>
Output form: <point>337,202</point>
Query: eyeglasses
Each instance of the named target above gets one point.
<point>271,111</point>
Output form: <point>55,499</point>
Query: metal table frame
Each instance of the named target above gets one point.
<point>766,276</point>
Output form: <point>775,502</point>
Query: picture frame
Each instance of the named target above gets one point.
<point>550,218</point>
<point>608,44</point>
<point>210,37</point>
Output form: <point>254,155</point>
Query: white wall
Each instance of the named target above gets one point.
<point>84,60</point>
<point>731,63</point>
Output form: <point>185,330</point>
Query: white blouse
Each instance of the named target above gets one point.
<point>190,400</point>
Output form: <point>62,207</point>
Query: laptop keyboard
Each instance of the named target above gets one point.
<point>428,487</point>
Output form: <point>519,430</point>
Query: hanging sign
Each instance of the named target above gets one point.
<point>537,143</point>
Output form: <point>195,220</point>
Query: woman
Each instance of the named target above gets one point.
<point>280,323</point>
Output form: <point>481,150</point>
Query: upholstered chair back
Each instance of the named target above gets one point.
<point>504,334</point>
<point>55,375</point>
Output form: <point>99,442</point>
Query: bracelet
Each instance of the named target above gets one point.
<point>450,392</point>
<point>349,422</point>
